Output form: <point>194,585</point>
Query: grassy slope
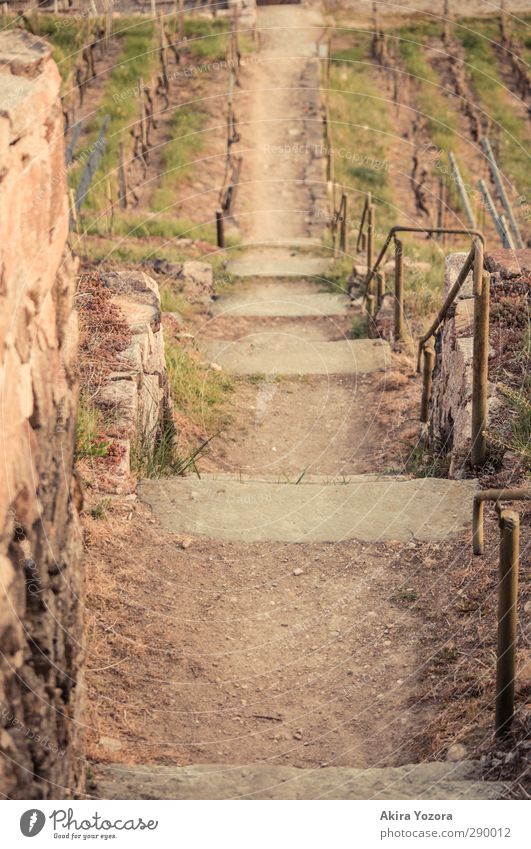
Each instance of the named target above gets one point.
<point>359,120</point>
<point>512,131</point>
<point>358,113</point>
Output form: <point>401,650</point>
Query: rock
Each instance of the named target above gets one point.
<point>215,367</point>
<point>298,572</point>
<point>508,263</point>
<point>186,542</point>
<point>456,752</point>
<point>453,265</point>
<point>137,394</point>
<point>41,580</point>
<point>110,744</point>
<point>451,403</point>
<point>198,281</point>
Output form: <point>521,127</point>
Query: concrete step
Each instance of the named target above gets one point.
<point>261,781</point>
<point>369,508</point>
<point>277,352</point>
<point>278,261</point>
<point>263,302</point>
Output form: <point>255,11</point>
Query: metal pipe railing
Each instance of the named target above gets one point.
<point>496,495</point>
<point>509,523</point>
<point>481,292</point>
<point>340,218</point>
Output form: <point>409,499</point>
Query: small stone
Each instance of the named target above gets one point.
<point>186,542</point>
<point>215,367</point>
<point>297,572</point>
<point>111,744</point>
<point>456,752</point>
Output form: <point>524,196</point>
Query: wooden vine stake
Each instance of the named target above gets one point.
<point>181,19</point>
<point>503,22</point>
<point>122,178</point>
<point>447,20</point>
<point>109,19</point>
<point>162,52</point>
<point>507,620</point>
<point>110,208</point>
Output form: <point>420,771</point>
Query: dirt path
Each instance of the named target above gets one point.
<point>256,647</point>
<point>281,128</point>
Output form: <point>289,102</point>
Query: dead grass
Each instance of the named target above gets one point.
<point>457,594</point>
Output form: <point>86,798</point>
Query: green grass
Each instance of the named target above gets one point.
<point>441,116</point>
<point>512,130</point>
<point>197,392</point>
<point>128,251</point>
<point>144,226</point>
<point>89,439</point>
<point>423,289</point>
<point>172,301</point>
<point>100,510</point>
<point>359,118</point>
<point>515,433</point>
<point>359,327</point>
<point>138,60</point>
<point>178,154</point>
<point>336,277</point>
<point>207,40</point>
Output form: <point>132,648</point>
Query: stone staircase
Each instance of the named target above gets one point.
<point>272,324</point>
<point>369,508</point>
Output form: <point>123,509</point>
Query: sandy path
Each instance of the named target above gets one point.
<point>292,653</point>
<point>278,107</point>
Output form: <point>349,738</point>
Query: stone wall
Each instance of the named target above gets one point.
<point>40,576</point>
<point>450,424</point>
<point>134,396</point>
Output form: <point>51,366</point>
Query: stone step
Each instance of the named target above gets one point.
<point>450,781</point>
<point>261,302</point>
<point>279,264</point>
<point>276,352</point>
<point>369,508</point>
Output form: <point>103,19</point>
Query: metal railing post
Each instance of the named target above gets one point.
<point>220,231</point>
<point>380,287</point>
<point>370,233</point>
<point>361,240</point>
<point>427,379</point>
<point>371,310</point>
<point>480,360</point>
<point>343,226</point>
<point>478,540</point>
<point>507,620</point>
<point>399,290</point>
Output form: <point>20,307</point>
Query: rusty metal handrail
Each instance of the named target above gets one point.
<point>496,495</point>
<point>509,522</point>
<point>372,270</point>
<point>480,357</point>
<point>429,231</point>
<point>481,291</point>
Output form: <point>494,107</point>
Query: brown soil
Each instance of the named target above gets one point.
<point>348,427</point>
<point>245,661</point>
<point>239,660</point>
